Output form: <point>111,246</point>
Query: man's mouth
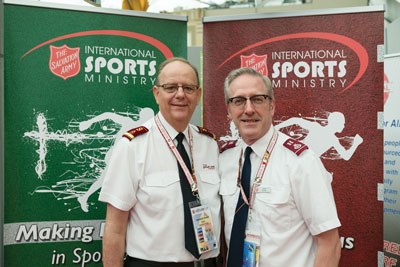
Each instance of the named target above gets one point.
<point>250,120</point>
<point>179,105</point>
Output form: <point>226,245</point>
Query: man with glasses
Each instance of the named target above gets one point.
<point>161,187</point>
<point>278,202</point>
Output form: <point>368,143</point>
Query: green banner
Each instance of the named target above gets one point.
<point>75,81</point>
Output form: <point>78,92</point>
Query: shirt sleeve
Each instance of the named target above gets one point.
<point>312,190</point>
<point>121,182</point>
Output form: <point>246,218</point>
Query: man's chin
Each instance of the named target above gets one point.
<point>249,127</point>
<point>250,133</point>
<point>181,115</point>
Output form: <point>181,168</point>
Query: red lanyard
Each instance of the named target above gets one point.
<point>189,176</point>
<point>260,172</point>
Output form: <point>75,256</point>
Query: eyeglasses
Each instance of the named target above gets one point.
<point>256,100</point>
<point>173,88</point>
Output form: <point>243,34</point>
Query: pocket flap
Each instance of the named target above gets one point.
<point>273,194</point>
<point>209,177</point>
<point>162,179</point>
<point>228,187</point>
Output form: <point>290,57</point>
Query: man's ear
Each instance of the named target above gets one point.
<point>229,112</point>
<point>156,92</point>
<point>198,95</point>
<point>272,107</point>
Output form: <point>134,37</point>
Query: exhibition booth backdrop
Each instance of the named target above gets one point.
<point>391,227</point>
<point>76,79</point>
<point>326,68</point>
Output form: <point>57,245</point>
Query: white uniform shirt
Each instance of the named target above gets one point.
<point>143,177</point>
<point>295,201</point>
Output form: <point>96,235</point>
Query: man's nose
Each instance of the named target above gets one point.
<point>180,92</point>
<point>248,107</point>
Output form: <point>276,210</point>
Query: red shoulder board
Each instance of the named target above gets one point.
<point>135,132</point>
<point>206,132</point>
<point>228,145</point>
<point>296,146</point>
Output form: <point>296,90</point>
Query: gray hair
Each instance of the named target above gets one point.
<point>241,71</point>
<point>173,59</point>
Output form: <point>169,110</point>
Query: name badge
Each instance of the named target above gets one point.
<point>264,189</point>
<point>203,229</point>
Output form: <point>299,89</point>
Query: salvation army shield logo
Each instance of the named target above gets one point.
<point>259,63</point>
<point>64,61</point>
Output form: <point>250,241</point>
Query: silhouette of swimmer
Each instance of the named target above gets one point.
<point>126,124</point>
<point>321,138</point>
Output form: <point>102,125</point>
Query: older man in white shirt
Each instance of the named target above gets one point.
<point>278,202</point>
<point>160,175</point>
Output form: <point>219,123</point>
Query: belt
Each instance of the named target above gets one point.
<point>212,262</point>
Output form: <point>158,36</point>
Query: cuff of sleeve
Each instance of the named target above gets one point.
<point>326,226</point>
<point>104,197</point>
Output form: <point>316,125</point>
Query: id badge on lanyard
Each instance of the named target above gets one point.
<point>252,242</point>
<point>203,227</point>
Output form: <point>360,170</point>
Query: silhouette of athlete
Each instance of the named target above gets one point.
<point>321,138</point>
<point>126,124</point>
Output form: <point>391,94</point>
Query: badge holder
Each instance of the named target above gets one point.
<point>203,227</point>
<point>251,248</point>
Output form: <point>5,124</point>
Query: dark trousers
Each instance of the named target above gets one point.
<point>135,262</point>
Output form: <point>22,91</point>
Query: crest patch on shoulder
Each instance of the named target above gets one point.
<point>295,146</point>
<point>206,132</point>
<point>228,145</point>
<point>135,132</point>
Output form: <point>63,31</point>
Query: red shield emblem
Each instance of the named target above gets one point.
<point>259,63</point>
<point>64,61</point>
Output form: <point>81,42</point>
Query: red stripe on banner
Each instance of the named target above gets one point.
<point>354,45</point>
<point>156,43</point>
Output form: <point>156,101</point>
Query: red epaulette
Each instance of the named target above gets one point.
<point>295,146</point>
<point>206,132</point>
<point>135,132</point>
<point>228,145</point>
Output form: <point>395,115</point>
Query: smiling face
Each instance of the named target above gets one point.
<point>252,122</point>
<point>177,108</point>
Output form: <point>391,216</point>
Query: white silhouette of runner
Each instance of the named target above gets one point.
<point>126,124</point>
<point>321,138</point>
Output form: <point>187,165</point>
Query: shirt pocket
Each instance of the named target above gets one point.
<point>274,208</point>
<point>208,184</point>
<point>162,190</point>
<point>229,192</point>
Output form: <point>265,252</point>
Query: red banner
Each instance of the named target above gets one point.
<point>327,77</point>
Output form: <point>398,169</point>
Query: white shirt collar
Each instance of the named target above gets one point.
<point>171,131</point>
